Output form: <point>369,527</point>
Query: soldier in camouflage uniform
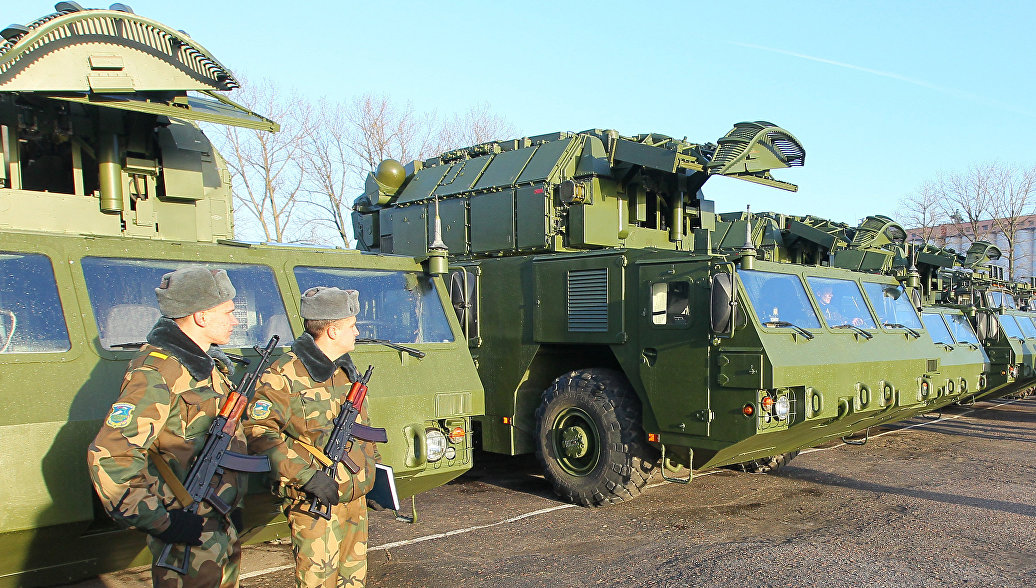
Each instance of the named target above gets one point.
<point>291,419</point>
<point>172,391</point>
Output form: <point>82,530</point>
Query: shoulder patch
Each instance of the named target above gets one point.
<point>260,409</point>
<point>120,415</point>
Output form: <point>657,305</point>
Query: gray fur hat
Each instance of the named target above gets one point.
<point>328,303</point>
<point>193,289</point>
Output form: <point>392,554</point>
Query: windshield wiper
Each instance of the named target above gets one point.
<point>134,345</point>
<point>902,326</point>
<point>414,352</point>
<point>797,328</point>
<point>855,328</point>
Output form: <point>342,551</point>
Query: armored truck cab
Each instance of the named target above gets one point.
<point>986,298</point>
<point>615,319</point>
<point>957,365</point>
<point>106,183</point>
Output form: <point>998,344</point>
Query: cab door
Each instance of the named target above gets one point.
<point>673,337</point>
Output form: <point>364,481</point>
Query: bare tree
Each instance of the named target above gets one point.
<point>268,175</point>
<point>350,140</point>
<point>965,200</point>
<point>923,210</point>
<point>1012,197</point>
<point>477,125</point>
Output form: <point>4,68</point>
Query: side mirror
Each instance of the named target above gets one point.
<point>464,299</point>
<point>723,304</point>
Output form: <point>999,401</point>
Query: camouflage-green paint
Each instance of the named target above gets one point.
<point>139,181</point>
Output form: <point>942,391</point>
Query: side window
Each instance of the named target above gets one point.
<point>122,294</point>
<point>401,307</point>
<point>670,303</point>
<point>936,327</point>
<point>893,305</point>
<point>961,329</point>
<point>31,320</point>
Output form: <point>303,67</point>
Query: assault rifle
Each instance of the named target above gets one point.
<point>215,457</point>
<point>346,427</point>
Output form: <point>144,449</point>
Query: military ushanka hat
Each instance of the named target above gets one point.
<point>193,289</point>
<point>323,303</point>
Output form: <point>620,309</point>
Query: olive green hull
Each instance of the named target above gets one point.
<point>54,404</point>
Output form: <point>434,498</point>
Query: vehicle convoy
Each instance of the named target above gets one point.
<point>966,305</point>
<point>1006,331</point>
<point>618,322</point>
<point>107,184</point>
<point>876,245</point>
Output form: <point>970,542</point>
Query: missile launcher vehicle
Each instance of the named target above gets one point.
<point>106,183</point>
<point>619,323</point>
<point>877,245</point>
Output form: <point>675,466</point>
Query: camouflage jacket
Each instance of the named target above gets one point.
<point>297,399</point>
<point>170,394</point>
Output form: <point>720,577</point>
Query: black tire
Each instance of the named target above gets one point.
<point>767,465</point>
<point>591,443</point>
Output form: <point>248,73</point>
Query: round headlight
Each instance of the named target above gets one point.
<point>435,441</point>
<point>782,407</point>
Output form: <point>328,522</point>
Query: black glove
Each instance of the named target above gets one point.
<point>323,488</point>
<point>184,527</point>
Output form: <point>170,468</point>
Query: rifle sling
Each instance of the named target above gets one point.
<point>316,453</point>
<point>167,475</point>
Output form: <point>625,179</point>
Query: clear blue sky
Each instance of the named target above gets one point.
<point>883,95</point>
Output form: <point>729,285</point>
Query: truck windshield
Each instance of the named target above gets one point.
<point>395,306</point>
<point>961,329</point>
<point>779,300</point>
<point>892,305</point>
<point>1011,327</point>
<point>1001,300</point>
<point>841,302</point>
<point>936,327</point>
<point>31,319</point>
<point>1026,325</point>
<point>122,294</point>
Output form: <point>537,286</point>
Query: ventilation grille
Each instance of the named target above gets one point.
<point>588,301</point>
<point>933,365</point>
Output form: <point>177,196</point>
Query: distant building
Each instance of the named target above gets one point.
<point>956,236</point>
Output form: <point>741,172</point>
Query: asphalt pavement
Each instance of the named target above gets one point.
<point>926,502</point>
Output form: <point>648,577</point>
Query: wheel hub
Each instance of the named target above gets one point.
<point>575,441</point>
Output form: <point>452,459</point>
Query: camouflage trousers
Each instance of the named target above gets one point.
<point>216,563</point>
<point>329,553</point>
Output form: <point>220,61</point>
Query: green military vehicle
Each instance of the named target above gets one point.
<point>1006,331</point>
<point>876,246</point>
<point>617,322</point>
<point>106,183</point>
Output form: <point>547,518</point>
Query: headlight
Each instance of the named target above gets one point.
<point>782,407</point>
<point>435,441</point>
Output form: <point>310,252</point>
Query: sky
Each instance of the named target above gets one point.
<point>883,95</point>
